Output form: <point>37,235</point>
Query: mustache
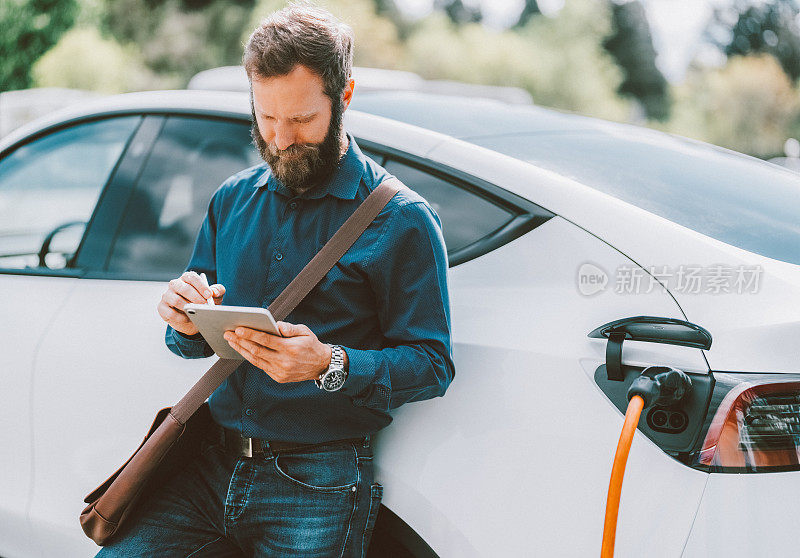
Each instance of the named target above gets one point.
<point>294,151</point>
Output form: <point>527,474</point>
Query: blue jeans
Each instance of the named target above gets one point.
<point>319,501</point>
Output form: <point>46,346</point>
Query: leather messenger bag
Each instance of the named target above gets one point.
<point>176,432</point>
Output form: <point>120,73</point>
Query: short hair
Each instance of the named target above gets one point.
<point>302,33</point>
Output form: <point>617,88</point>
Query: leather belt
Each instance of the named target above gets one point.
<point>234,442</point>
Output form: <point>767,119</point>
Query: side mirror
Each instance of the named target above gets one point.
<point>67,236</point>
<point>652,329</point>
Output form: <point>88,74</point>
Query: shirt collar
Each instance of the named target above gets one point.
<point>342,184</point>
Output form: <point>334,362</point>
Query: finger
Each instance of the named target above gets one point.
<point>193,279</point>
<point>187,291</point>
<point>249,356</point>
<point>288,329</point>
<point>272,342</point>
<point>219,292</point>
<point>170,315</point>
<point>253,348</point>
<point>175,301</point>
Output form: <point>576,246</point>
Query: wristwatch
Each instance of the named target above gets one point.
<point>333,378</point>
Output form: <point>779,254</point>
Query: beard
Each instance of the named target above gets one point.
<point>303,167</point>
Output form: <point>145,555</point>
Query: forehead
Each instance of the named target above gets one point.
<point>301,90</point>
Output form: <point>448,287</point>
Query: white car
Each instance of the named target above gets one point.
<point>564,235</point>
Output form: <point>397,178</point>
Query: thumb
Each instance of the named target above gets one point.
<point>219,292</point>
<point>289,330</point>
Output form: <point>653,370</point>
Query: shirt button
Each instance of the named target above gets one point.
<point>293,205</point>
<point>249,412</point>
<point>279,256</point>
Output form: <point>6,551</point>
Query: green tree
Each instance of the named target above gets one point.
<point>83,59</point>
<point>769,28</point>
<point>631,45</point>
<point>749,105</point>
<point>178,38</point>
<point>28,28</point>
<point>458,12</point>
<point>557,59</point>
<point>529,9</point>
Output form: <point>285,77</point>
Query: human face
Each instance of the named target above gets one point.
<point>296,127</point>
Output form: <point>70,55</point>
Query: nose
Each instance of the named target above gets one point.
<point>284,136</point>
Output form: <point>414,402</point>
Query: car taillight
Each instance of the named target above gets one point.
<point>756,428</point>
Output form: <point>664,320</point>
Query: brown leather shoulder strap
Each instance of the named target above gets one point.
<point>296,290</point>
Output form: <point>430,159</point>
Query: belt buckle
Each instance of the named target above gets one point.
<point>247,447</point>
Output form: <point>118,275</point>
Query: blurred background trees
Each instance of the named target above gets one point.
<point>596,57</point>
<point>28,29</point>
<point>631,46</point>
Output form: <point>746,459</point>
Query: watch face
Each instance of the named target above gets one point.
<point>333,380</point>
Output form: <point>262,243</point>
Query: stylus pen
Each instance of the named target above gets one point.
<point>209,300</point>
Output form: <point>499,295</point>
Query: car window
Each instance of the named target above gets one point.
<point>189,160</point>
<point>374,155</point>
<point>737,199</point>
<point>55,181</point>
<point>466,217</point>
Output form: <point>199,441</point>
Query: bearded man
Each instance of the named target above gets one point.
<point>287,470</point>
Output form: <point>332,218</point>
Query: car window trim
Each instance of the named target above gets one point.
<point>95,246</point>
<point>155,125</point>
<point>526,215</point>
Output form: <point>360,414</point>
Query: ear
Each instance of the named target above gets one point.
<point>347,94</point>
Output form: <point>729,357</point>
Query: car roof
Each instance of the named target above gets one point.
<point>467,118</point>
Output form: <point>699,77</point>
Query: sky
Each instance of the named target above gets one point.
<point>676,26</point>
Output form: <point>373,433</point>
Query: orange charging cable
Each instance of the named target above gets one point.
<point>632,415</point>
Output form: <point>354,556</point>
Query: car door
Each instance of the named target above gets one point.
<point>515,459</point>
<point>102,379</point>
<point>49,188</point>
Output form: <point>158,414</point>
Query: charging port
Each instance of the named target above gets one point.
<point>670,421</point>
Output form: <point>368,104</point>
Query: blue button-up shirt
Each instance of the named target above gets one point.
<point>385,302</point>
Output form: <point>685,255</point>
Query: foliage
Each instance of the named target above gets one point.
<point>592,57</point>
<point>29,29</point>
<point>749,106</point>
<point>83,59</point>
<point>558,60</point>
<point>179,38</point>
<point>458,12</point>
<point>530,8</point>
<point>631,45</point>
<point>770,27</point>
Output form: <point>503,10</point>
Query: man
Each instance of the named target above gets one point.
<point>289,471</point>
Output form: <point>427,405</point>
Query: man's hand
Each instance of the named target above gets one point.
<point>189,287</point>
<point>295,357</point>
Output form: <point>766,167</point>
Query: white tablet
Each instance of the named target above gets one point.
<point>214,320</point>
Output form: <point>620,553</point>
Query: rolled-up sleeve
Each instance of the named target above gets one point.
<point>408,271</point>
<point>202,260</point>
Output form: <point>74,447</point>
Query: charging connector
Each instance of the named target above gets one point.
<point>660,385</point>
<point>656,385</point>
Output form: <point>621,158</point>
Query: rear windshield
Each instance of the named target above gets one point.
<point>737,199</point>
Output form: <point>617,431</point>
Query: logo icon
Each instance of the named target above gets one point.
<point>591,279</point>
